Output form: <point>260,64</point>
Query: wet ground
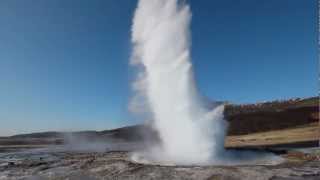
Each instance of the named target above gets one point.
<point>56,164</point>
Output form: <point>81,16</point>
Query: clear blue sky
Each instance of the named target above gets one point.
<point>64,63</point>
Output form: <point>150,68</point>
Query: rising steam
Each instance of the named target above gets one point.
<point>191,132</point>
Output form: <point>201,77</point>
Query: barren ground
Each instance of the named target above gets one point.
<point>117,165</point>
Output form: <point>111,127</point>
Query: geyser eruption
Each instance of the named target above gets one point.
<point>189,130</point>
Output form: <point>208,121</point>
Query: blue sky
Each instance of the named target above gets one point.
<point>64,64</point>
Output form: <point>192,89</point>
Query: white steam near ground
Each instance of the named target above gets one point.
<point>191,132</point>
<point>97,143</point>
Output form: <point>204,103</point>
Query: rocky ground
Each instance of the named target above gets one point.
<point>55,165</point>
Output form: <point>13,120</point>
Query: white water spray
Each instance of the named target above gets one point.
<point>191,132</point>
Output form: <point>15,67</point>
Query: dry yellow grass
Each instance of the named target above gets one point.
<point>310,132</point>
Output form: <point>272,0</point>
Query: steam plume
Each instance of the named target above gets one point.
<point>191,130</point>
<point>160,35</point>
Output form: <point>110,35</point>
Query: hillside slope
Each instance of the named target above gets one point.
<point>278,123</point>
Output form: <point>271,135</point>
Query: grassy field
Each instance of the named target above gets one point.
<point>297,135</point>
<point>292,122</point>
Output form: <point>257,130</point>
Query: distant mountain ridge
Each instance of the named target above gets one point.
<point>56,134</point>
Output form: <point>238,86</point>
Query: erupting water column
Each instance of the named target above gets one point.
<point>190,131</point>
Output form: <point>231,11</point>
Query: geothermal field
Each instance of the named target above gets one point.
<point>279,141</point>
<point>185,135</point>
